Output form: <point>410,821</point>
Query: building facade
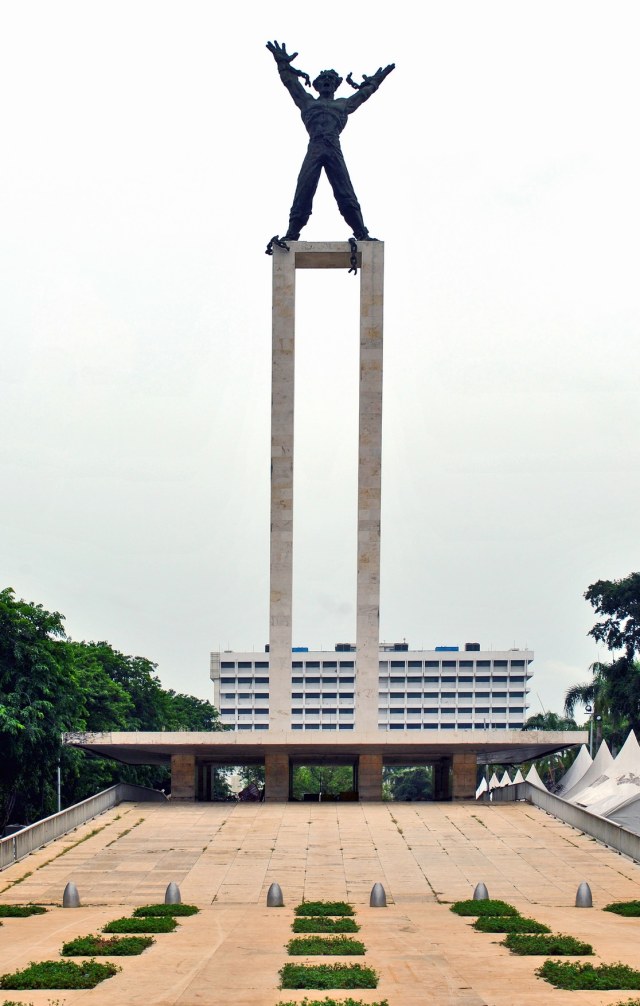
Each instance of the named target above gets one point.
<point>447,688</point>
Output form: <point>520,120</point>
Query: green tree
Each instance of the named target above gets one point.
<point>619,602</point>
<point>408,783</point>
<point>50,685</point>
<point>614,690</point>
<point>550,721</point>
<point>327,780</point>
<point>39,699</point>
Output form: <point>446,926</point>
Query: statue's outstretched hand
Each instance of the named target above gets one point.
<point>381,73</point>
<point>279,52</point>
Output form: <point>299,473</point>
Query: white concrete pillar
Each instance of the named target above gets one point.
<point>281,559</point>
<point>369,496</point>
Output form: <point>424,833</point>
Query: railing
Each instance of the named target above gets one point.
<point>600,828</point>
<point>22,843</point>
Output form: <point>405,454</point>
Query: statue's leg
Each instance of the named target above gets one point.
<point>344,192</point>
<point>305,191</point>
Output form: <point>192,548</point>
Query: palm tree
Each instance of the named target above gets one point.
<point>594,693</point>
<point>550,721</point>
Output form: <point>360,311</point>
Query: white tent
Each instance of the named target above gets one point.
<point>574,774</point>
<point>482,788</point>
<point>494,782</point>
<point>618,787</point>
<point>518,777</point>
<point>506,779</point>
<point>601,763</point>
<point>533,777</point>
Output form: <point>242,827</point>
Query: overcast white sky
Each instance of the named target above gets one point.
<point>149,152</point>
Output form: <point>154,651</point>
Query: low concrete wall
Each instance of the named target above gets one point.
<point>608,832</point>
<point>26,841</point>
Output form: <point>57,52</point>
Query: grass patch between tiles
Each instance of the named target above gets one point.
<point>531,945</point>
<point>20,911</point>
<point>324,924</point>
<point>327,976</point>
<point>100,946</point>
<point>630,909</point>
<point>325,946</point>
<point>487,907</point>
<point>508,924</point>
<point>164,911</point>
<point>575,975</point>
<point>59,975</point>
<point>329,1001</point>
<point>324,908</point>
<point>151,925</point>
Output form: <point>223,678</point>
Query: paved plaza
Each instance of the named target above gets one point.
<point>225,856</point>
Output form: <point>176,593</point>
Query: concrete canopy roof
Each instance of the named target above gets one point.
<point>507,747</point>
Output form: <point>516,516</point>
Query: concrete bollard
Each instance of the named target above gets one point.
<point>378,897</point>
<point>274,897</point>
<point>71,898</point>
<point>583,896</point>
<point>481,893</point>
<point>172,894</point>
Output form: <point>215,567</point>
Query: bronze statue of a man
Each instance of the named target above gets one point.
<point>324,118</point>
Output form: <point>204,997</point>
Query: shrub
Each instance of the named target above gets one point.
<point>324,924</point>
<point>325,946</point>
<point>20,911</point>
<point>327,976</point>
<point>162,911</point>
<point>152,925</point>
<point>324,908</point>
<point>531,946</point>
<point>508,924</point>
<point>630,909</point>
<point>328,1001</point>
<point>59,975</point>
<point>90,946</point>
<point>574,975</point>
<point>488,907</point>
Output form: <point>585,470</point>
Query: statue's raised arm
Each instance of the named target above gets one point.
<point>368,86</point>
<point>324,118</point>
<point>288,73</point>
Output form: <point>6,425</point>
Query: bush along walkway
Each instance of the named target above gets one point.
<point>59,975</point>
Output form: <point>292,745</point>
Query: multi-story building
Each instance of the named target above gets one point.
<point>441,689</point>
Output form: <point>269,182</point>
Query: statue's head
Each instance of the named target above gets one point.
<point>327,83</point>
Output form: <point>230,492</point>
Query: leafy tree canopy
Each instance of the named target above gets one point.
<point>50,685</point>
